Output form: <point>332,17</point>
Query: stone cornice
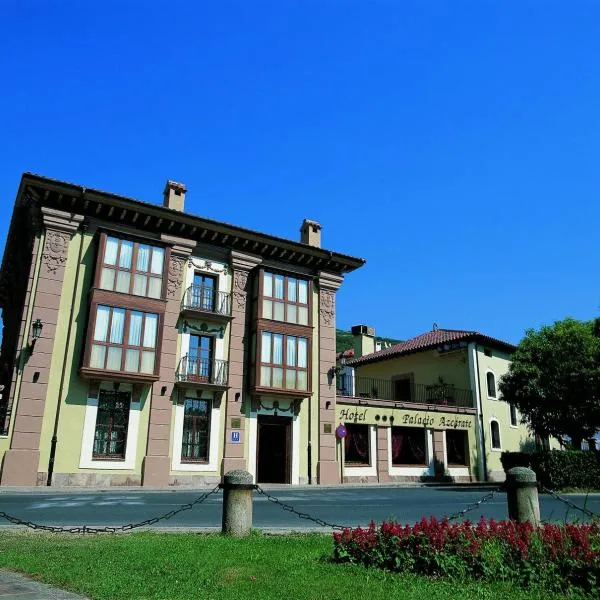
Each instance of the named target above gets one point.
<point>330,281</point>
<point>59,220</point>
<point>240,261</point>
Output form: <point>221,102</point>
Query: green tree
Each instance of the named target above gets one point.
<point>554,377</point>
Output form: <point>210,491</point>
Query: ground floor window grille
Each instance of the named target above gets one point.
<point>110,437</point>
<point>409,446</point>
<point>356,445</point>
<point>196,430</point>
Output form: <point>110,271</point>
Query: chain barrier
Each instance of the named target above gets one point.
<point>301,515</point>
<point>570,504</point>
<point>475,505</point>
<point>84,529</point>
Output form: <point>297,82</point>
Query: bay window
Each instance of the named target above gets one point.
<point>283,361</point>
<point>124,340</point>
<point>285,298</point>
<point>131,268</point>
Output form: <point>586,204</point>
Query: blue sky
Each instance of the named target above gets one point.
<point>454,145</point>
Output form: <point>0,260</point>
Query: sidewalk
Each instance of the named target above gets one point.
<point>14,586</point>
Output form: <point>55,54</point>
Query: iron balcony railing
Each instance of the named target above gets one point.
<point>440,393</point>
<point>207,299</point>
<point>203,370</point>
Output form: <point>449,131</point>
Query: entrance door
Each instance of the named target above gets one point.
<point>274,437</point>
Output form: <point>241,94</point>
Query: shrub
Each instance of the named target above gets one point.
<point>558,469</point>
<point>558,558</point>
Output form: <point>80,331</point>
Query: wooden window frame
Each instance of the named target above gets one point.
<point>136,241</point>
<point>286,302</point>
<point>190,460</point>
<point>120,456</point>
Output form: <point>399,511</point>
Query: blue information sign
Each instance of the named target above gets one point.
<point>340,431</point>
<point>235,437</point>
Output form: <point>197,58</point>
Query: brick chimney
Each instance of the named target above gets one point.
<point>310,233</point>
<point>363,338</point>
<point>174,195</point>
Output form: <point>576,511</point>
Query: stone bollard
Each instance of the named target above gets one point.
<point>237,503</point>
<point>522,495</point>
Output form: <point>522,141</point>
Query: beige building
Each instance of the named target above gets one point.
<point>427,408</point>
<point>146,346</point>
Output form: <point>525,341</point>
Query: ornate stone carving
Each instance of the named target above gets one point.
<point>240,283</point>
<point>206,265</point>
<point>175,276</point>
<point>327,307</point>
<point>55,250</point>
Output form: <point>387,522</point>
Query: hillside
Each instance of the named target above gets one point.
<point>343,340</point>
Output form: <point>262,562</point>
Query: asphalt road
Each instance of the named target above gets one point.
<point>347,506</point>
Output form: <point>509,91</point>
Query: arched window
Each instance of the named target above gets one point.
<point>491,384</point>
<point>495,427</point>
<point>513,416</point>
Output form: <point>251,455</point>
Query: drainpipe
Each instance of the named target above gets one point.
<point>480,412</point>
<point>54,441</point>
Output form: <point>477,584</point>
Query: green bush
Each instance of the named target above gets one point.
<point>557,469</point>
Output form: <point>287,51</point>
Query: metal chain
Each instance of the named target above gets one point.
<point>86,529</point>
<point>584,510</point>
<point>474,505</point>
<point>301,515</point>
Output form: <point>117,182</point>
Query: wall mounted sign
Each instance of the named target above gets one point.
<point>235,437</point>
<point>340,431</point>
<point>410,418</point>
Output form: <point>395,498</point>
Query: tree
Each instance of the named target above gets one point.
<point>554,380</point>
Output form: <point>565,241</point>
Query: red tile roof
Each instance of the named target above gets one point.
<point>429,340</point>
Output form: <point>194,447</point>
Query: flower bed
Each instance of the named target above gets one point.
<point>557,557</point>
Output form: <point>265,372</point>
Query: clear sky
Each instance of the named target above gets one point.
<point>454,145</point>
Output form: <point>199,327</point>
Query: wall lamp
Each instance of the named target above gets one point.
<point>36,332</point>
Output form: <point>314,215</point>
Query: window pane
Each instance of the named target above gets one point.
<point>154,287</point>
<point>265,376</point>
<point>302,352</point>
<point>107,279</point>
<point>278,311</point>
<point>101,329</point>
<point>279,287</point>
<point>277,349</point>
<point>277,378</point>
<point>302,380</point>
<point>123,279</point>
<point>150,330</point>
<point>97,356</point>
<point>116,326</point>
<point>158,259</point>
<point>291,315</point>
<point>456,447</point>
<point>126,254</point>
<point>196,428</point>
<point>302,291</point>
<point>113,361</point>
<point>139,285</point>
<point>135,329</point>
<point>111,251</point>
<point>265,355</point>
<point>302,315</point>
<point>292,286</point>
<point>267,309</point>
<point>132,359</point>
<point>290,379</point>
<point>143,257</point>
<point>268,285</point>
<point>147,362</point>
<point>409,446</point>
<point>291,351</point>
<point>357,444</point>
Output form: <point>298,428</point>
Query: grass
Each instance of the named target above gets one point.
<point>189,566</point>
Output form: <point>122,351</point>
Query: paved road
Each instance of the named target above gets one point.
<point>347,506</point>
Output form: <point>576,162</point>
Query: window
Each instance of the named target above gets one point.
<point>110,435</point>
<point>132,268</point>
<point>487,352</point>
<point>403,390</point>
<point>457,447</point>
<point>491,384</point>
<point>356,445</point>
<point>495,429</point>
<point>283,361</point>
<point>199,367</point>
<point>513,415</point>
<point>196,430</point>
<point>285,299</point>
<point>409,446</point>
<point>124,340</point>
<point>204,292</point>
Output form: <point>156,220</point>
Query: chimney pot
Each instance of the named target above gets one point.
<point>174,195</point>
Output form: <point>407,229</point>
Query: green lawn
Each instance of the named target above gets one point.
<point>190,566</point>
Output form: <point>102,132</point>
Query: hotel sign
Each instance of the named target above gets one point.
<point>404,418</point>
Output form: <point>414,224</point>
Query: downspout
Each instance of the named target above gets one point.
<point>480,411</point>
<point>54,441</point>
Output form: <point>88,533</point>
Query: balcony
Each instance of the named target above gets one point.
<point>207,302</point>
<point>203,373</point>
<point>402,392</point>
